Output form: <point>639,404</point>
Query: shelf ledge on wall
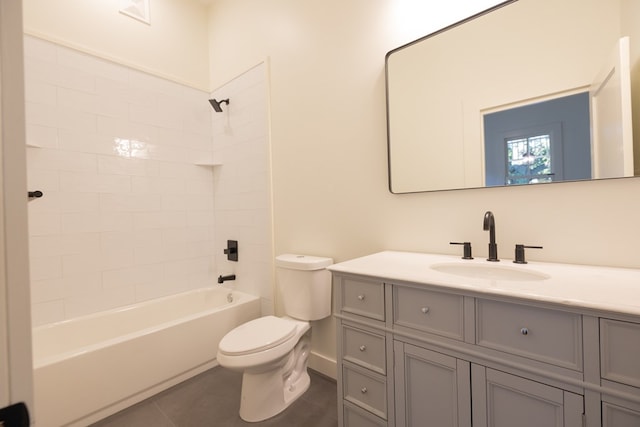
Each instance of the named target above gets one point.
<point>208,163</point>
<point>31,144</point>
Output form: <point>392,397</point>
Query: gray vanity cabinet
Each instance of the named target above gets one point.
<point>365,352</point>
<point>501,399</point>
<point>432,389</point>
<point>620,370</point>
<point>416,355</point>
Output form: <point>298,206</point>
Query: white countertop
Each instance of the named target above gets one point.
<point>592,287</point>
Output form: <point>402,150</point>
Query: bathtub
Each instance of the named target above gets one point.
<point>93,366</point>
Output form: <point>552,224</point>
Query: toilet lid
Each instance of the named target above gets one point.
<point>257,335</point>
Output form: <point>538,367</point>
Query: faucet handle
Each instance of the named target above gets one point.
<point>467,249</point>
<point>520,253</point>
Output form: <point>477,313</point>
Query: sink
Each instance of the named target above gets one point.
<point>489,272</point>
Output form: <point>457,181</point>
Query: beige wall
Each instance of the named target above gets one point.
<point>330,159</point>
<point>174,46</point>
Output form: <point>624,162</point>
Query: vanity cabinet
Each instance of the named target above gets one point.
<point>620,370</point>
<point>431,388</point>
<point>416,354</point>
<point>501,399</point>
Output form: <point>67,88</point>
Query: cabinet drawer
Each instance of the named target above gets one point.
<point>365,389</point>
<point>547,335</point>
<point>356,417</point>
<point>619,350</point>
<point>363,298</point>
<point>429,311</point>
<point>364,348</point>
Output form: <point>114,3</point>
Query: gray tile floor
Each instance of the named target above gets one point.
<point>212,399</point>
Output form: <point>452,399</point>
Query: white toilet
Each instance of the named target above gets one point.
<point>272,351</point>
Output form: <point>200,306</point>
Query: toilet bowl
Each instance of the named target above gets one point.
<point>271,351</point>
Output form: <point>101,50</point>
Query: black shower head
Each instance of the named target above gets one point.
<point>217,104</point>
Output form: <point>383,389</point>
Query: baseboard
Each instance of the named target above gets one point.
<point>323,364</point>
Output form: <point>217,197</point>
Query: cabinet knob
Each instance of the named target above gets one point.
<point>361,297</point>
<point>363,390</point>
<point>425,310</point>
<point>524,331</point>
<point>363,347</point>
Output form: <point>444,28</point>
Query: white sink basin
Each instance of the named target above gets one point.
<point>489,272</point>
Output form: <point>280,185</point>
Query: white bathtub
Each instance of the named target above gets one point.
<point>93,366</point>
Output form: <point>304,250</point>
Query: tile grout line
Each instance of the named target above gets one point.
<point>155,403</point>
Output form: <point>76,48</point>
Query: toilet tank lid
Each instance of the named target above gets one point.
<point>302,262</point>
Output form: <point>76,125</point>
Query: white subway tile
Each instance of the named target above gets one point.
<point>130,202</point>
<point>119,257</point>
<point>132,276</point>
<point>149,255</point>
<point>80,222</point>
<point>42,136</point>
<point>72,78</point>
<point>45,267</point>
<point>44,223</point>
<point>39,70</point>
<point>78,202</point>
<point>116,221</point>
<point>121,166</point>
<point>149,220</point>
<point>64,244</point>
<point>82,283</point>
<point>91,65</point>
<point>46,290</point>
<point>77,120</point>
<point>40,93</point>
<point>76,264</point>
<point>46,181</point>
<point>76,100</point>
<point>147,238</point>
<point>112,107</point>
<point>39,48</point>
<point>199,218</point>
<point>37,113</point>
<point>144,81</point>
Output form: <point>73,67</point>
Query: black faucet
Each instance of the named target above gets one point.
<point>490,224</point>
<point>222,279</point>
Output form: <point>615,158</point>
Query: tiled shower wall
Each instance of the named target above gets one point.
<point>127,213</point>
<point>242,184</point>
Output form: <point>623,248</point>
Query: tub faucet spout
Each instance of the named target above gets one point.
<point>222,279</point>
<point>490,225</point>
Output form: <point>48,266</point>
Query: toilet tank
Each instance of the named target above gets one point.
<point>304,284</point>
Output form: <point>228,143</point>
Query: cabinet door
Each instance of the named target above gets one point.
<point>504,400</point>
<point>432,389</point>
<point>617,416</point>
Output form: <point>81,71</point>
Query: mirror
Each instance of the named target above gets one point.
<point>512,65</point>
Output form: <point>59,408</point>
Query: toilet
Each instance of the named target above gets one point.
<point>272,352</point>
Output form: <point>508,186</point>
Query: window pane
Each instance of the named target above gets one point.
<point>529,160</point>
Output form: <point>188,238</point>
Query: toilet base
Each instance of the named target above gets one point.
<point>267,393</point>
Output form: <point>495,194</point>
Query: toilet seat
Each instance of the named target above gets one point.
<point>257,335</point>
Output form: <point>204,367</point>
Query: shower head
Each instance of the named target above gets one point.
<point>217,104</point>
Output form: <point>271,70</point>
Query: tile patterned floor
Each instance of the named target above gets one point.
<point>212,399</point>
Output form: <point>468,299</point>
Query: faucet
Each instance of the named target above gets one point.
<point>222,279</point>
<point>490,224</point>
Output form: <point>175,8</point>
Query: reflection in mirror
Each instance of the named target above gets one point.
<point>531,91</point>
